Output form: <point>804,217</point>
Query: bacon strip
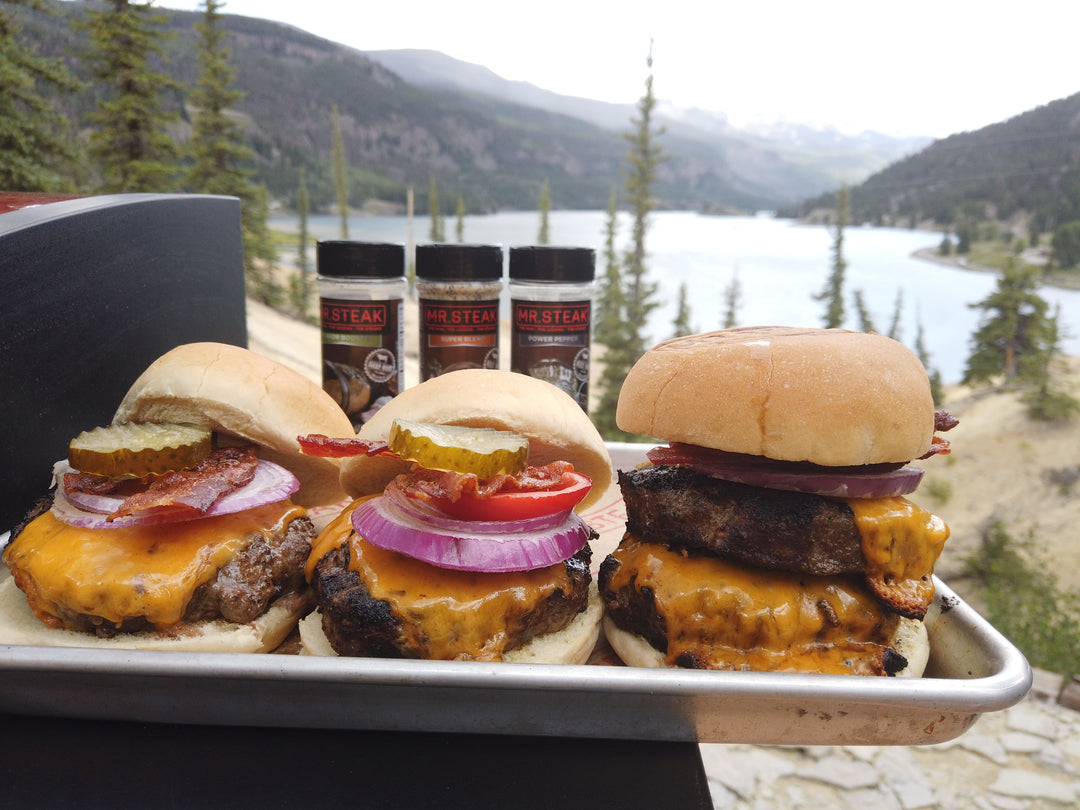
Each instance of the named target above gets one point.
<point>424,484</point>
<point>189,493</point>
<point>320,446</point>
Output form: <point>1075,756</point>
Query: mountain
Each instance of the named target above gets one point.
<point>1024,172</point>
<point>489,141</point>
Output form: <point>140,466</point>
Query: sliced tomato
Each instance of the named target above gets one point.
<point>517,504</point>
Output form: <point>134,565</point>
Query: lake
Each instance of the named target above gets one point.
<point>780,265</point>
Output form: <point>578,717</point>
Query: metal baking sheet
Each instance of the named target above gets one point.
<point>973,669</point>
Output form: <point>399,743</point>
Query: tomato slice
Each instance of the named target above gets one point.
<point>519,505</point>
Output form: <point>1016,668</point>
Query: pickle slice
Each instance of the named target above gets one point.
<point>483,451</point>
<point>135,450</point>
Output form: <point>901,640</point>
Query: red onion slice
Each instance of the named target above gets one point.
<point>489,546</point>
<point>878,481</point>
<point>271,483</point>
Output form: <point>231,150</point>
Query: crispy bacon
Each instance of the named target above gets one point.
<point>189,493</point>
<point>944,421</point>
<point>316,444</point>
<point>425,484</point>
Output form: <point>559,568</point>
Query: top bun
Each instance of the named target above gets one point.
<point>556,426</point>
<point>827,396</point>
<point>242,394</point>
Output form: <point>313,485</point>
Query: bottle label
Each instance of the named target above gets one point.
<point>363,353</point>
<point>458,334</point>
<point>550,340</point>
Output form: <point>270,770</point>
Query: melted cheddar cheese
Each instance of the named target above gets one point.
<point>900,543</point>
<point>148,571</point>
<point>721,615</point>
<point>447,614</point>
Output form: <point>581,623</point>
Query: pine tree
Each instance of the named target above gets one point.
<point>37,142</point>
<point>643,158</point>
<point>130,139</point>
<point>610,332</point>
<point>681,324</point>
<point>460,227</point>
<point>543,237</point>
<point>301,286</point>
<point>732,300</point>
<point>437,229</point>
<point>1014,333</point>
<point>833,293</point>
<point>937,388</point>
<point>866,320</point>
<point>220,154</point>
<point>340,172</point>
<point>1048,400</point>
<point>895,331</point>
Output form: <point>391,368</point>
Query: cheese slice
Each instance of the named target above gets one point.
<point>142,571</point>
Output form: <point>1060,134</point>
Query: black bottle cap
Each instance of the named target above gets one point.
<point>558,264</point>
<point>456,262</point>
<point>344,258</point>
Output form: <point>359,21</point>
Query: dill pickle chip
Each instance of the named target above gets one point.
<point>135,450</point>
<point>483,451</point>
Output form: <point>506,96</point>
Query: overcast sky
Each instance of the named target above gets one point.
<point>920,67</point>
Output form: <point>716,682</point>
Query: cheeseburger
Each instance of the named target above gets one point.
<point>772,531</point>
<point>464,540</point>
<point>182,525</point>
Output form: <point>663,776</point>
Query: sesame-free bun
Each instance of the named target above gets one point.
<point>556,426</point>
<point>910,640</point>
<point>247,396</point>
<point>19,625</point>
<point>572,645</point>
<point>827,396</point>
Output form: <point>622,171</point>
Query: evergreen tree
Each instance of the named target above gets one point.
<point>732,300</point>
<point>1065,244</point>
<point>437,229</point>
<point>898,309</point>
<point>460,228</point>
<point>937,388</point>
<point>130,139</point>
<point>340,181</point>
<point>37,151</point>
<point>1014,334</point>
<point>543,237</point>
<point>1048,401</point>
<point>643,158</point>
<point>220,154</point>
<point>301,284</point>
<point>833,293</point>
<point>681,324</point>
<point>610,332</point>
<point>866,320</point>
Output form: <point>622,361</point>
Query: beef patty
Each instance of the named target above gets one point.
<point>767,528</point>
<point>356,623</point>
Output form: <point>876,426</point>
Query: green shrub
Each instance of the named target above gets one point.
<point>1024,601</point>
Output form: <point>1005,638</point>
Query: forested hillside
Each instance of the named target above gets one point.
<point>1024,171</point>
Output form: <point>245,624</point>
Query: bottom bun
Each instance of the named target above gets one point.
<point>571,645</point>
<point>19,625</point>
<point>911,641</point>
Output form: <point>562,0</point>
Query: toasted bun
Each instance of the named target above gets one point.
<point>556,426</point>
<point>18,625</point>
<point>248,396</point>
<point>911,641</point>
<point>571,645</point>
<point>828,396</point>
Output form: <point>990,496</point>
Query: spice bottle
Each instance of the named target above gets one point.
<point>361,311</point>
<point>551,292</point>
<point>459,288</point>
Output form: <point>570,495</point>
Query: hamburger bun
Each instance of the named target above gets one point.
<point>571,645</point>
<point>247,396</point>
<point>556,426</point>
<point>910,640</point>
<point>19,625</point>
<point>769,390</point>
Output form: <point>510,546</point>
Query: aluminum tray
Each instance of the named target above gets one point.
<point>973,669</point>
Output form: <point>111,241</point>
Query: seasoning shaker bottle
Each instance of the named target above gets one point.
<point>361,313</point>
<point>459,288</point>
<point>551,293</point>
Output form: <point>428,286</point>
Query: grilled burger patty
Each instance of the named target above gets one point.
<point>767,528</point>
<point>358,624</point>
